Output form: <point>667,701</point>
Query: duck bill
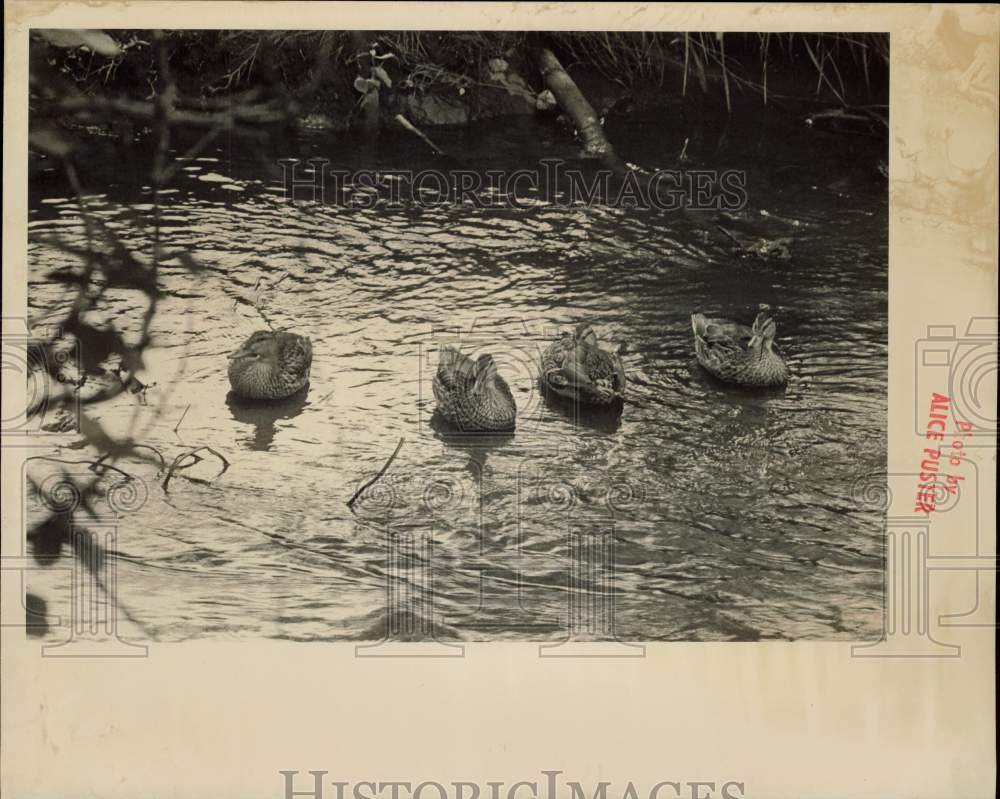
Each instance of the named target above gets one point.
<point>236,355</point>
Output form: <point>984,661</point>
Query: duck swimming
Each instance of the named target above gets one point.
<point>574,366</point>
<point>472,395</point>
<point>739,354</point>
<point>270,365</point>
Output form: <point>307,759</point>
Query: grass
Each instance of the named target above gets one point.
<point>846,68</point>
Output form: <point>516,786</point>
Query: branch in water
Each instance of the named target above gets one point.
<point>731,237</point>
<point>98,467</point>
<point>193,454</point>
<point>178,425</point>
<point>366,486</point>
<point>417,132</point>
<point>573,102</point>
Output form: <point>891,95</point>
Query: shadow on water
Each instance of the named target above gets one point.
<point>264,415</point>
<point>599,418</point>
<point>476,446</point>
<point>36,622</point>
<point>704,380</point>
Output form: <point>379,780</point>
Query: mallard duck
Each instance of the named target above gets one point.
<point>574,366</point>
<point>471,394</point>
<point>739,354</point>
<point>270,365</point>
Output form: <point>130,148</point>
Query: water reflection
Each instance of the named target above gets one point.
<point>601,418</point>
<point>263,416</point>
<point>476,446</point>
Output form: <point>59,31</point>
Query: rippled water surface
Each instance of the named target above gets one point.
<point>728,515</point>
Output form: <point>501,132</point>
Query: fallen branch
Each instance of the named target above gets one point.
<point>100,463</point>
<point>175,466</point>
<point>417,132</point>
<point>763,248</point>
<point>683,156</point>
<point>92,466</point>
<point>366,486</point>
<point>256,306</point>
<point>841,120</point>
<point>732,238</point>
<point>163,463</point>
<point>178,425</point>
<point>229,119</point>
<point>572,101</point>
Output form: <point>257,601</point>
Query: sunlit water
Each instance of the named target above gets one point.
<point>727,515</point>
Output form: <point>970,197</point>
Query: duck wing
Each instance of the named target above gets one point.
<point>718,343</point>
<point>720,330</point>
<point>603,365</point>
<point>554,359</point>
<point>619,373</point>
<point>504,389</point>
<point>557,351</point>
<point>296,355</point>
<point>451,365</point>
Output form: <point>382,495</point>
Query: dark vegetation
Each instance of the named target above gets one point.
<point>338,78</point>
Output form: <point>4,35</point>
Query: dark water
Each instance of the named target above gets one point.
<point>713,513</point>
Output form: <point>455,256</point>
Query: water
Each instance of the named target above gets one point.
<point>728,515</point>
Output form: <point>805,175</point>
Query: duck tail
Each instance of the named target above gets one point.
<point>699,324</point>
<point>763,325</point>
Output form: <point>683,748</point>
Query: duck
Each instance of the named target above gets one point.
<point>270,365</point>
<point>738,354</point>
<point>471,394</point>
<point>575,367</point>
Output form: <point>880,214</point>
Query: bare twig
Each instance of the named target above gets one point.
<point>264,317</point>
<point>207,138</point>
<point>163,463</point>
<point>177,426</point>
<point>175,466</point>
<point>92,465</point>
<point>229,119</point>
<point>732,238</point>
<point>366,486</point>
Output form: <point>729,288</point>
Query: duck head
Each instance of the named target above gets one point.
<point>261,348</point>
<point>585,335</point>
